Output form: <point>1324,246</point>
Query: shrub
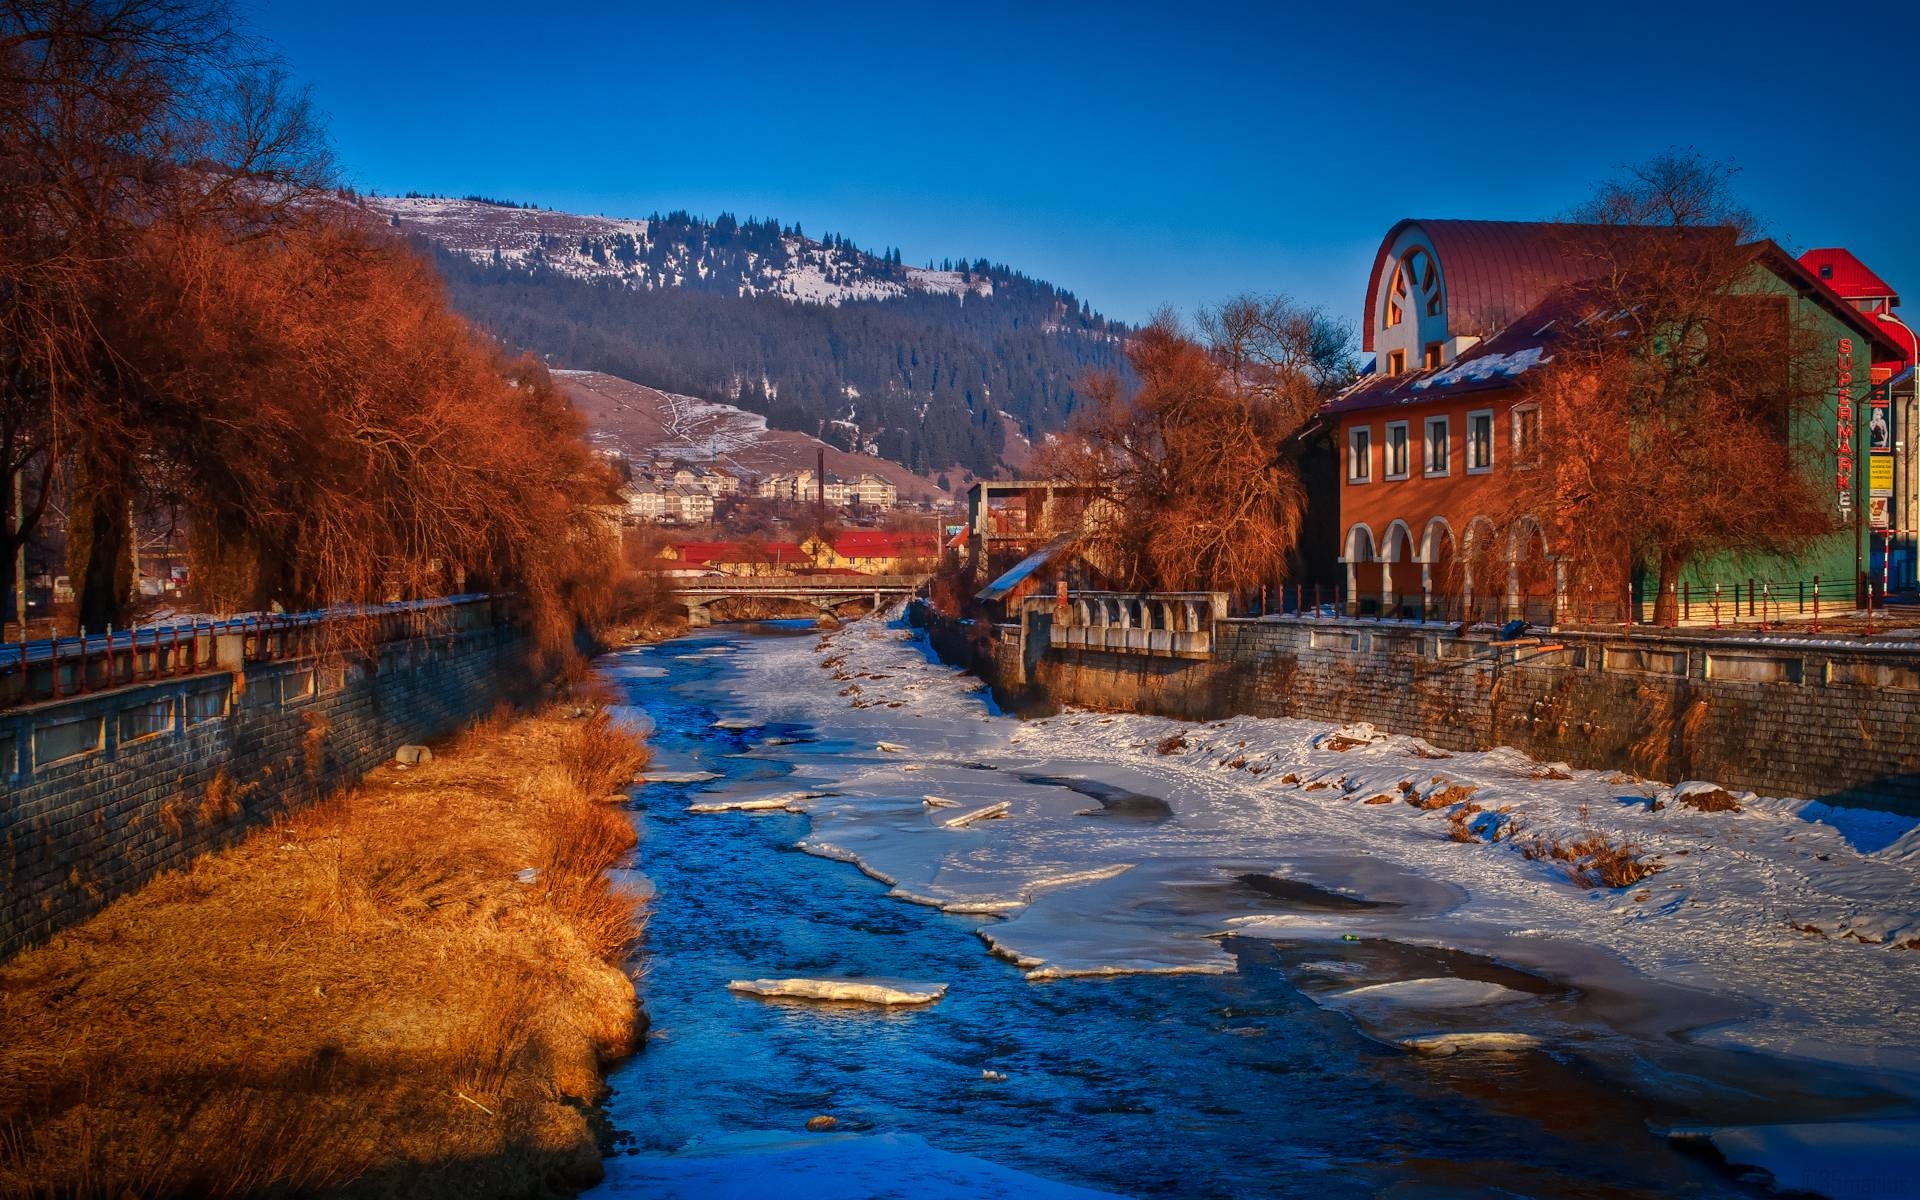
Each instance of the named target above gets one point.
<point>602,757</point>
<point>1712,800</point>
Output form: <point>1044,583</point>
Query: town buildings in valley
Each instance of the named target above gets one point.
<point>1457,314</point>
<point>869,490</point>
<point>668,492</point>
<point>854,552</point>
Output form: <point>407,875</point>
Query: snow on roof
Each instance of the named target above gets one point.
<point>1000,588</point>
<point>1479,368</point>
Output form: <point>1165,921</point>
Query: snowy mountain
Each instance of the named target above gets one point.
<point>963,365</point>
<point>759,258</point>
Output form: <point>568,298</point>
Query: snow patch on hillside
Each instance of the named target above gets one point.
<point>588,247</point>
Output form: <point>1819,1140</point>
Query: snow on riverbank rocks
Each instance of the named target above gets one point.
<point>885,992</point>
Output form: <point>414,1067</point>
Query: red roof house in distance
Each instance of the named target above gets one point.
<point>733,558</point>
<point>875,551</point>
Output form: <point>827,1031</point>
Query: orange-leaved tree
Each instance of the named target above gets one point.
<point>1200,494</point>
<point>1676,380</point>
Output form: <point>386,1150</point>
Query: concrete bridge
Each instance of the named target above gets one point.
<point>831,595</point>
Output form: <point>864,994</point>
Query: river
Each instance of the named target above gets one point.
<point>1235,1082</point>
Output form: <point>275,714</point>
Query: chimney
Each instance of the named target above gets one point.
<point>820,480</point>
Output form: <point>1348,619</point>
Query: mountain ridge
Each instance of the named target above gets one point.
<point>965,365</point>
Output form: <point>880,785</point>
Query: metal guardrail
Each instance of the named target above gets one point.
<point>55,668</point>
<point>800,583</point>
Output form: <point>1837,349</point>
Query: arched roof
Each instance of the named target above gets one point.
<point>1493,271</point>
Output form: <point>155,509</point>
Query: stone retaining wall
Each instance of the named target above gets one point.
<point>104,791</point>
<point>1813,718</point>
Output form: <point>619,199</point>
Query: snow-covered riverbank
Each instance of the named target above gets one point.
<point>1798,924</point>
<point>1753,983</point>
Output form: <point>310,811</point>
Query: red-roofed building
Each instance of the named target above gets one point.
<point>875,551</point>
<point>748,557</point>
<point>1458,313</point>
<point>1893,420</point>
<point>1850,278</point>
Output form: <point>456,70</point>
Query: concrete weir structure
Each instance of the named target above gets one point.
<point>1831,719</point>
<point>134,757</point>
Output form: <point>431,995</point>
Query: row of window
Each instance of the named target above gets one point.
<point>1436,445</point>
<point>1397,359</point>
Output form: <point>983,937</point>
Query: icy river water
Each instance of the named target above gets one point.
<point>1231,1083</point>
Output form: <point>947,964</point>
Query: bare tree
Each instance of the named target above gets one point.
<point>1202,494</point>
<point>1667,411</point>
<point>118,118</point>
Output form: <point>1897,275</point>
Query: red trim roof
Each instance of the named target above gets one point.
<point>1850,278</point>
<point>701,554</point>
<point>1528,341</point>
<point>1886,347</point>
<point>1492,271</point>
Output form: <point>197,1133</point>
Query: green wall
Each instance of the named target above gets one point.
<point>1837,559</point>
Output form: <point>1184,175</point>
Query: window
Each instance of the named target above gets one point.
<point>298,685</point>
<point>1526,434</point>
<point>58,741</point>
<point>1479,441</point>
<point>207,705</point>
<point>1396,450</point>
<point>146,720</point>
<point>1431,361</point>
<point>1360,454</point>
<point>1416,277</point>
<point>1434,447</point>
<point>1396,362</point>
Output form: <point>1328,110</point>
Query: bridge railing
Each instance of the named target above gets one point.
<point>814,583</point>
<point>1175,624</point>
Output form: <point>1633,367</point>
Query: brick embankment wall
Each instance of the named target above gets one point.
<point>1821,720</point>
<point>104,791</point>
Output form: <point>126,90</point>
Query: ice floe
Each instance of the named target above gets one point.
<point>885,992</point>
<point>1440,1045</point>
<point>1428,993</point>
<point>989,812</point>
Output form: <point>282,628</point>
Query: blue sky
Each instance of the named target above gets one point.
<point>1139,155</point>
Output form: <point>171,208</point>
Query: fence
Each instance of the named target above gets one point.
<point>1740,602</point>
<point>102,789</point>
<point>56,668</point>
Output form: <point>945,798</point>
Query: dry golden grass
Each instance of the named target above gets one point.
<point>364,999</point>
